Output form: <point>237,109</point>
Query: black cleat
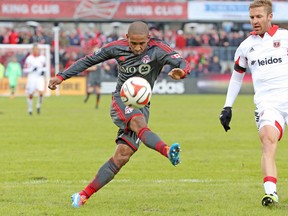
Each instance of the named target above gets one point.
<point>269,200</point>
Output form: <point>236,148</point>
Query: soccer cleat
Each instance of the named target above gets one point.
<point>173,154</point>
<point>78,200</point>
<point>38,110</point>
<point>270,200</point>
<point>30,113</point>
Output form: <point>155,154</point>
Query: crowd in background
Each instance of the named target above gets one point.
<point>210,51</point>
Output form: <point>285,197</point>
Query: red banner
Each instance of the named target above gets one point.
<point>91,10</point>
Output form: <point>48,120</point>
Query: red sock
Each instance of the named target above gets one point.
<point>88,191</point>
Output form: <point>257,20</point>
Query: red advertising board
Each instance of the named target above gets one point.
<point>91,10</point>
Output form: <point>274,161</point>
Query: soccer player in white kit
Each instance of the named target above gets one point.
<point>265,53</point>
<point>35,69</point>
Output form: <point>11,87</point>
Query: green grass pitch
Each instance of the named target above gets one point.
<point>46,158</point>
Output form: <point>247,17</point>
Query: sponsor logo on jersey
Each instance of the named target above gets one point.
<point>251,50</point>
<point>142,69</point>
<point>268,61</point>
<point>146,59</point>
<point>276,44</point>
<point>128,109</point>
<point>177,55</point>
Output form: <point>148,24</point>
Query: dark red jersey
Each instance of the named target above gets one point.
<point>147,65</point>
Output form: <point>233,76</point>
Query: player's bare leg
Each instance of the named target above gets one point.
<point>105,174</point>
<point>269,138</point>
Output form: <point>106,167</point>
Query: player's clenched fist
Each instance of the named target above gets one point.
<point>54,82</point>
<point>177,73</point>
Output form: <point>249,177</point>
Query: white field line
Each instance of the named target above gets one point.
<point>157,181</point>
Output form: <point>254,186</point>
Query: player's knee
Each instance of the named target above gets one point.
<point>137,123</point>
<point>121,159</point>
<point>122,155</point>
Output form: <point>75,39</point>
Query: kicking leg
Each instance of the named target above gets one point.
<point>150,139</point>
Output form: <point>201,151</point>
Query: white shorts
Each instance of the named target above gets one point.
<point>273,117</point>
<point>35,84</point>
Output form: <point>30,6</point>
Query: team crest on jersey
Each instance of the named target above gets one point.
<point>122,58</point>
<point>128,109</point>
<point>276,44</point>
<point>97,51</point>
<point>146,59</point>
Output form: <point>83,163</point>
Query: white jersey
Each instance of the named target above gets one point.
<point>35,69</point>
<point>267,59</point>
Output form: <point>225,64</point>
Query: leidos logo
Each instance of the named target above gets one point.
<point>269,61</point>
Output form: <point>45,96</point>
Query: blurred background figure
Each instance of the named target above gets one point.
<point>13,72</point>
<point>94,79</point>
<point>2,70</point>
<point>35,69</point>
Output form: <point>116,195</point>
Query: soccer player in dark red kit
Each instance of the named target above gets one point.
<point>137,55</point>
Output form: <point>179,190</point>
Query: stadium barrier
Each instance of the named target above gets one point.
<point>210,84</point>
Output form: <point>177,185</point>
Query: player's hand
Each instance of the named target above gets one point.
<point>176,73</point>
<point>225,117</point>
<point>54,82</point>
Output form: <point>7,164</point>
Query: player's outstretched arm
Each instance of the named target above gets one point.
<point>176,73</point>
<point>54,82</point>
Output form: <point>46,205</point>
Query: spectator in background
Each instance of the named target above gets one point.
<point>192,58</point>
<point>2,69</point>
<point>13,37</point>
<point>13,72</point>
<point>1,36</point>
<point>180,40</point>
<point>193,40</point>
<point>64,41</point>
<point>199,70</point>
<point>75,38</point>
<point>214,65</point>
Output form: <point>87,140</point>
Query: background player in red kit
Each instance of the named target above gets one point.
<point>137,55</point>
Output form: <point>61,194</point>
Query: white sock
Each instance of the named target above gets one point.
<point>39,102</point>
<point>270,187</point>
<point>30,104</point>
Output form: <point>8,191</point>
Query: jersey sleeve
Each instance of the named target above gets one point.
<point>28,65</point>
<point>86,62</point>
<point>167,55</point>
<point>235,83</point>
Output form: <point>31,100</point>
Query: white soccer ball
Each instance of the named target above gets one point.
<point>136,92</point>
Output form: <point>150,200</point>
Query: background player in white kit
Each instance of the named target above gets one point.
<point>265,52</point>
<point>35,69</point>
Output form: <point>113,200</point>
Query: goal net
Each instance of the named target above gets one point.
<point>21,51</point>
